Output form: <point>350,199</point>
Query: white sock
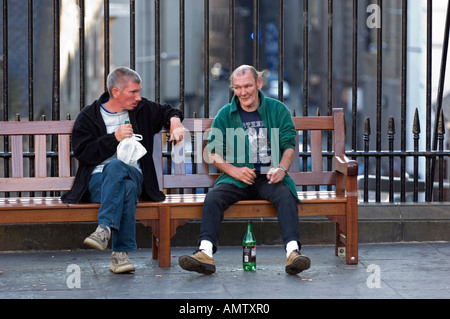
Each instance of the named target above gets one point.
<point>207,247</point>
<point>290,247</point>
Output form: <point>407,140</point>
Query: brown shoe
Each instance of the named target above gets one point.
<point>296,263</point>
<point>199,262</point>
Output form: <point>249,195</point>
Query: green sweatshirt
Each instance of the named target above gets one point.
<point>229,140</point>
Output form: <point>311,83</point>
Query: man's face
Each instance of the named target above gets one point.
<point>129,97</point>
<point>246,89</point>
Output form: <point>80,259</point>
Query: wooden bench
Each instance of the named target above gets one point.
<point>185,176</point>
<point>339,203</point>
<point>45,206</point>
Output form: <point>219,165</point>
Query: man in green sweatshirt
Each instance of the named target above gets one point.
<point>252,143</point>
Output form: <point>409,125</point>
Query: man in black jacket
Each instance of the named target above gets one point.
<point>101,177</point>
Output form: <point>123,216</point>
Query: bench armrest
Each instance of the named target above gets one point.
<point>345,166</point>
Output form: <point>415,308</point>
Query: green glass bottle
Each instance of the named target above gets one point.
<point>249,249</point>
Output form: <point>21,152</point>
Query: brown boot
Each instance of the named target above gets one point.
<point>296,263</point>
<point>199,262</point>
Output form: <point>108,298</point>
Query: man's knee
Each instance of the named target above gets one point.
<point>114,165</point>
<point>280,192</point>
<point>213,196</point>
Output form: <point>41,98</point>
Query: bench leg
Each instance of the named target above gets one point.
<point>154,247</point>
<point>347,237</point>
<point>154,224</point>
<point>352,226</point>
<point>164,236</point>
<point>352,240</point>
<point>340,241</point>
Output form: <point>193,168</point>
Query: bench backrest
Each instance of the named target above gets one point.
<point>195,172</point>
<point>173,173</point>
<point>41,133</point>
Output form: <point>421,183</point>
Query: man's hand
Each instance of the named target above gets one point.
<point>275,175</point>
<point>177,130</point>
<point>244,174</point>
<point>124,131</point>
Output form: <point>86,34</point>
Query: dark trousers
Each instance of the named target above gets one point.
<point>223,195</point>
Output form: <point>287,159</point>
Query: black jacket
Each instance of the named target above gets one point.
<point>92,145</point>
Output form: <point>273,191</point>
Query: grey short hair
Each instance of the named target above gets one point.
<point>243,69</point>
<point>119,78</point>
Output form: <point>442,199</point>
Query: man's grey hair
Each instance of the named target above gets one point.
<point>243,69</point>
<point>119,78</point>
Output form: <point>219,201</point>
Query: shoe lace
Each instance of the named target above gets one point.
<point>101,234</point>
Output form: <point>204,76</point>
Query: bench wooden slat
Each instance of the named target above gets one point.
<point>339,132</point>
<point>36,127</point>
<point>53,210</point>
<point>305,197</point>
<point>258,210</point>
<point>17,156</point>
<point>316,151</point>
<point>204,181</point>
<point>64,155</point>
<point>36,184</point>
<point>47,215</point>
<point>40,161</point>
<point>301,123</point>
<point>190,181</point>
<point>314,123</point>
<point>295,165</point>
<point>313,178</point>
<point>63,214</point>
<point>197,125</point>
<point>157,159</point>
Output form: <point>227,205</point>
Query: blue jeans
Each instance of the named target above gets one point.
<point>223,195</point>
<point>117,189</point>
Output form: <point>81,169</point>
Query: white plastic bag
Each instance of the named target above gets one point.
<point>130,150</point>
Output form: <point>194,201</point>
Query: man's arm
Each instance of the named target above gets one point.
<point>177,130</point>
<point>276,175</point>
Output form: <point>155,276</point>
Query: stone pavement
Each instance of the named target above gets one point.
<point>385,271</point>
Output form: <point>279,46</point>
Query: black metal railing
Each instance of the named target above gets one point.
<point>317,32</point>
